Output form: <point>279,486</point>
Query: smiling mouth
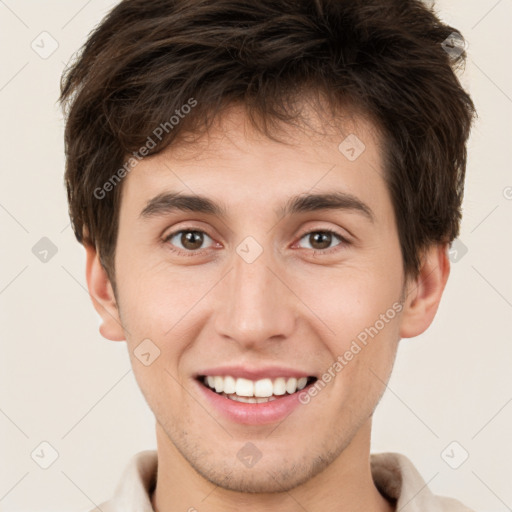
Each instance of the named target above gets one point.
<point>252,392</point>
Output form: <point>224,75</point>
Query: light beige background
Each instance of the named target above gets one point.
<point>64,384</point>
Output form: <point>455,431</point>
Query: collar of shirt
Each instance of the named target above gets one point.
<point>394,475</point>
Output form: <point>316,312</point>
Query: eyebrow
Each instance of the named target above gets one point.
<point>169,202</point>
<point>329,201</point>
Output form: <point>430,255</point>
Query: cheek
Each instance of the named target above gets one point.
<point>351,299</point>
<point>155,297</point>
<point>360,307</point>
<point>364,364</point>
<point>166,307</point>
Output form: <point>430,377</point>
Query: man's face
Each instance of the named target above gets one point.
<point>255,293</point>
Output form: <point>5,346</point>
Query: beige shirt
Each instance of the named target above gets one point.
<point>394,475</point>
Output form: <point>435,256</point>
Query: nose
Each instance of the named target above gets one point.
<point>255,305</point>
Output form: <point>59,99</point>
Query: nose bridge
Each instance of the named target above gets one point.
<point>254,305</point>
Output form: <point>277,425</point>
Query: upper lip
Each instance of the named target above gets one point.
<point>253,373</point>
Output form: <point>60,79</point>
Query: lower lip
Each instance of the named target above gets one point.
<point>252,414</point>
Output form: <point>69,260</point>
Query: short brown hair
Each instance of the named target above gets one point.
<point>389,58</point>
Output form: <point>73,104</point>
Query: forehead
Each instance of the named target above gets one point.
<point>240,167</point>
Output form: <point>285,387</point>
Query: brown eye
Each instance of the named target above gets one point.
<point>321,240</point>
<point>191,240</point>
<point>188,240</point>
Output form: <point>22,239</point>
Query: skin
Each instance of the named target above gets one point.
<point>289,307</point>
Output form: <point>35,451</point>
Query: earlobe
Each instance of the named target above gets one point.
<point>102,296</point>
<point>424,293</point>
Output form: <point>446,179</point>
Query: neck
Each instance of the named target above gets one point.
<point>345,485</point>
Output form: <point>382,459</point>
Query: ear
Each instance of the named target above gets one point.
<point>423,294</point>
<point>103,298</point>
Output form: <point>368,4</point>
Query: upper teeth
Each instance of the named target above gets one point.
<point>259,388</point>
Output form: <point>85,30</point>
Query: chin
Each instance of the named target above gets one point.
<point>266,479</point>
<point>267,476</point>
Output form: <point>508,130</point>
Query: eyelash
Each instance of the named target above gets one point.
<point>343,241</point>
<point>200,252</point>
